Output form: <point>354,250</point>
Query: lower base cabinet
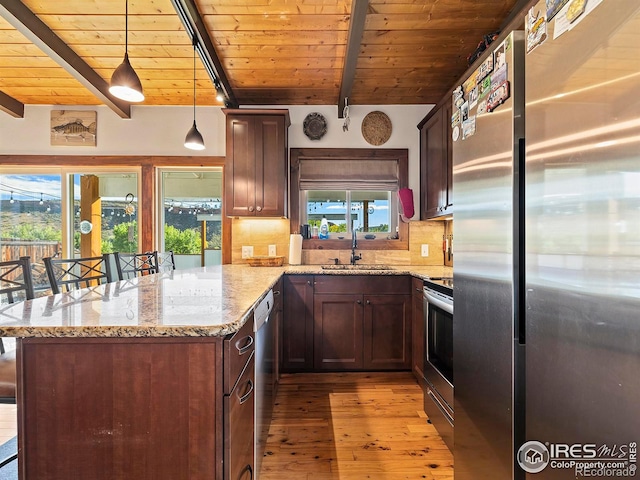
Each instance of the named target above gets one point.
<point>338,332</point>
<point>418,344</point>
<point>297,323</point>
<point>239,427</point>
<point>387,332</point>
<point>347,322</point>
<point>136,408</point>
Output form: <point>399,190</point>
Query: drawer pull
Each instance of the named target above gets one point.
<point>247,347</point>
<point>247,395</point>
<point>276,292</point>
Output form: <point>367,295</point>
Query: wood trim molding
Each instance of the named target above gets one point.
<point>148,165</point>
<point>297,154</point>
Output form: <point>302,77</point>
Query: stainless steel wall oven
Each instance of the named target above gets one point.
<point>438,361</point>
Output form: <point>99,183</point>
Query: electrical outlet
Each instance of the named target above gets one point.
<point>272,250</point>
<point>425,250</point>
<point>247,252</point>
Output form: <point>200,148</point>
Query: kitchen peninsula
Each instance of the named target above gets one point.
<point>136,379</point>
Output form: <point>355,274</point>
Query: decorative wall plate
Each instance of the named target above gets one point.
<point>314,126</point>
<point>376,128</point>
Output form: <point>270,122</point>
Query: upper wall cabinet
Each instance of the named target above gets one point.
<point>256,163</point>
<point>436,163</point>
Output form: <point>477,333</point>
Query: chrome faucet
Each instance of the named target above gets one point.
<point>354,245</point>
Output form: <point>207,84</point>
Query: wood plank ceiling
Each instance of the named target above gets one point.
<point>268,52</point>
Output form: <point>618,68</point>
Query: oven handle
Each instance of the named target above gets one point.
<point>438,302</point>
<point>440,407</point>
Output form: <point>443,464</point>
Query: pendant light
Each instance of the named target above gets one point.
<point>125,83</point>
<point>194,139</point>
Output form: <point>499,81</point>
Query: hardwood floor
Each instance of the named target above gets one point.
<point>353,426</point>
<point>8,412</point>
<point>342,427</point>
<point>8,422</point>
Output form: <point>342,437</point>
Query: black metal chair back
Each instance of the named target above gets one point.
<point>166,261</point>
<point>16,282</point>
<point>131,265</point>
<point>66,274</point>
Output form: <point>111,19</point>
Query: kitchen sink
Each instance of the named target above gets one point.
<point>356,267</point>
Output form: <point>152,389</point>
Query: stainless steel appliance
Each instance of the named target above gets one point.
<point>438,359</point>
<point>547,271</point>
<point>264,371</point>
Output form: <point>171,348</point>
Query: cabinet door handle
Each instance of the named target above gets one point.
<point>418,289</point>
<point>246,396</point>
<point>308,282</point>
<point>259,209</point>
<point>368,302</point>
<point>249,343</point>
<point>251,208</point>
<point>359,302</point>
<point>276,292</point>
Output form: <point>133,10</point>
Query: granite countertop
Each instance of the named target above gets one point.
<point>208,301</point>
<point>420,271</point>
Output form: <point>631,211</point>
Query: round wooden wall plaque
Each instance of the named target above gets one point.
<point>376,128</point>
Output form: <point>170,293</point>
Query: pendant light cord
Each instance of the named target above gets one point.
<point>126,26</point>
<point>195,41</point>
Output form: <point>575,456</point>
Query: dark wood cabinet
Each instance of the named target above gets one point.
<point>97,406</point>
<point>94,407</point>
<point>277,319</point>
<point>436,163</point>
<point>387,332</point>
<point>297,323</point>
<point>256,165</point>
<point>338,332</point>
<point>418,333</point>
<point>239,427</point>
<point>362,322</point>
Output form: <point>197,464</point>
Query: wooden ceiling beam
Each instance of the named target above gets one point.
<point>354,39</point>
<point>27,23</point>
<point>195,27</point>
<point>11,106</point>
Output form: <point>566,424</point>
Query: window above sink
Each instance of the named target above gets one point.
<point>349,187</point>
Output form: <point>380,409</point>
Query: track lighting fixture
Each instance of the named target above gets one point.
<point>125,83</point>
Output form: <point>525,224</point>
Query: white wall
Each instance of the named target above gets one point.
<point>149,131</point>
<point>161,131</point>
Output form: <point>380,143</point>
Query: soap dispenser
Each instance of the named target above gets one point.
<point>324,228</point>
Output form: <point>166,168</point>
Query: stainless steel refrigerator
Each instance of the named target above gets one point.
<point>547,270</point>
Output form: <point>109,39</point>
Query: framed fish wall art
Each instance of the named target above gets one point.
<point>74,127</point>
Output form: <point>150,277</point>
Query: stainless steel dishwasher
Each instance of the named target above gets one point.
<point>264,371</point>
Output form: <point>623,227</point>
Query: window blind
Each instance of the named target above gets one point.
<point>348,174</point>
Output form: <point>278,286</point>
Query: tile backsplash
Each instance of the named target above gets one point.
<point>260,233</point>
